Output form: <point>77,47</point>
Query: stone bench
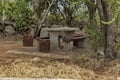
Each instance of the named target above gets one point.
<point>79,41</point>
<point>43,44</point>
<point>28,40</point>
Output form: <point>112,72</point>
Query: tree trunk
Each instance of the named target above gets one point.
<point>100,12</point>
<point>108,30</point>
<point>37,16</point>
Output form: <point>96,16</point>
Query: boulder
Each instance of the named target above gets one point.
<point>36,59</point>
<point>10,30</point>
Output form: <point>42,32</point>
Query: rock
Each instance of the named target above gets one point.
<point>10,30</point>
<point>36,59</point>
<point>100,53</point>
<point>17,61</point>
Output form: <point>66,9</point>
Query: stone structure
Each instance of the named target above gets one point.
<point>79,41</point>
<point>10,30</point>
<point>66,33</point>
<point>43,44</point>
<point>28,40</point>
<point>8,25</point>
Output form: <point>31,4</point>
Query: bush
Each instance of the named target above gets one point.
<point>96,35</point>
<point>19,11</point>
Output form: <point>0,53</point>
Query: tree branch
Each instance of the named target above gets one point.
<point>47,11</point>
<point>62,13</point>
<point>44,17</point>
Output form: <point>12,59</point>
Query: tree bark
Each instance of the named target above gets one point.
<point>108,30</point>
<point>100,12</point>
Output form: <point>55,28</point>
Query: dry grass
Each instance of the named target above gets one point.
<point>49,68</point>
<point>46,68</point>
<point>82,67</point>
<point>106,69</point>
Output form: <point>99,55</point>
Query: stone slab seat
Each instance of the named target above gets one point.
<point>78,38</point>
<point>28,40</point>
<point>43,44</point>
<point>79,41</point>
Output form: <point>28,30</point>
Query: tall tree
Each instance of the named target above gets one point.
<point>100,12</point>
<point>105,13</point>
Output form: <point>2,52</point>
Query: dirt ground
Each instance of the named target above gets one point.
<point>81,65</point>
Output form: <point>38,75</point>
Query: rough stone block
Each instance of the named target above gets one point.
<point>44,44</point>
<point>28,40</point>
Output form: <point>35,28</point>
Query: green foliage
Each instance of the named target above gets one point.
<point>54,18</point>
<point>96,35</point>
<point>70,11</point>
<point>20,12</point>
<point>109,22</point>
<point>115,9</point>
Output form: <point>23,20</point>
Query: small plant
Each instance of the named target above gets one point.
<point>96,36</point>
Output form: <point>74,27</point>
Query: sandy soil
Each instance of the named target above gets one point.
<point>8,45</point>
